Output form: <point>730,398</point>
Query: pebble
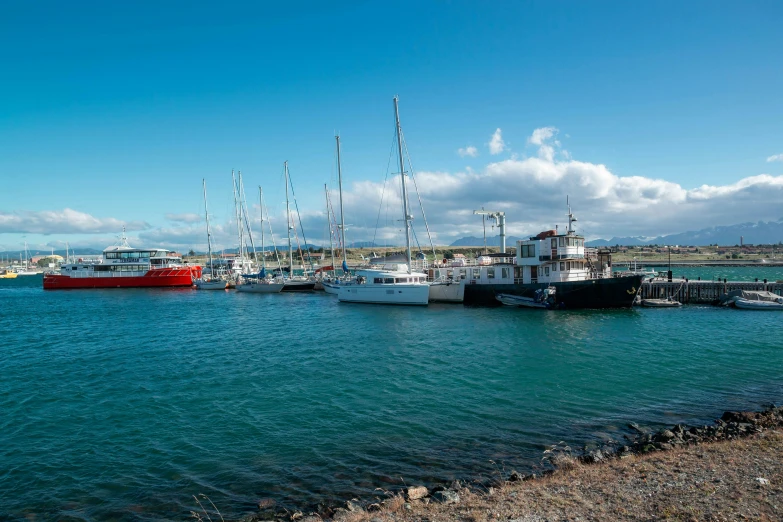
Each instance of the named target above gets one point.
<point>762,481</point>
<point>417,492</point>
<point>446,496</point>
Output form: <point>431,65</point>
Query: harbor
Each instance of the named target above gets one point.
<point>148,396</point>
<point>419,262</point>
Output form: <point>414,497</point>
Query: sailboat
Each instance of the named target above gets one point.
<point>27,271</point>
<point>333,286</point>
<point>212,283</point>
<point>261,284</point>
<point>393,283</point>
<point>293,283</point>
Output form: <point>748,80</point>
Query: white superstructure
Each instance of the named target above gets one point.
<point>390,284</point>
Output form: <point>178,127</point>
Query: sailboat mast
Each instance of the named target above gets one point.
<point>342,213</point>
<point>246,214</point>
<point>288,225</point>
<point>238,218</point>
<point>329,222</point>
<point>261,207</point>
<point>209,241</point>
<point>405,216</point>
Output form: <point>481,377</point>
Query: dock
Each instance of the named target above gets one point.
<point>701,292</point>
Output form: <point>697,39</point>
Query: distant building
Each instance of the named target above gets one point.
<point>55,258</point>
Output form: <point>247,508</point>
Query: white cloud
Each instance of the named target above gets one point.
<point>531,190</point>
<point>66,221</point>
<point>496,143</point>
<point>541,135</point>
<point>775,157</point>
<point>468,151</point>
<point>184,218</point>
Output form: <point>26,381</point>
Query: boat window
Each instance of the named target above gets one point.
<point>546,270</point>
<point>378,280</point>
<point>562,266</point>
<point>476,273</point>
<point>554,242</point>
<point>504,272</point>
<point>388,280</point>
<point>491,273</point>
<point>528,250</point>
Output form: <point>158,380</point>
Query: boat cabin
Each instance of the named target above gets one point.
<point>389,274</point>
<point>122,260</point>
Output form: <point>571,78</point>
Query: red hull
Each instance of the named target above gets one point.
<point>155,278</point>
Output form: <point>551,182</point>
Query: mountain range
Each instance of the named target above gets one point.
<point>468,241</point>
<point>761,233</point>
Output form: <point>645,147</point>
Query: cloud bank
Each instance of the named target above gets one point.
<point>66,221</point>
<point>531,191</point>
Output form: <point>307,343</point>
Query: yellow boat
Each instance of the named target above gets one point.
<point>7,274</point>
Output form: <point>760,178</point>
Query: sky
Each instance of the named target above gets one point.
<point>653,118</point>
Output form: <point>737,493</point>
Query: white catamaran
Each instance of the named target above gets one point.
<point>393,283</point>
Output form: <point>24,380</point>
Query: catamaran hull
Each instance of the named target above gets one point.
<point>156,278</point>
<point>392,294</point>
<point>612,292</point>
<point>452,292</point>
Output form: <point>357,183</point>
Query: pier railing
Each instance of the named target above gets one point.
<point>687,291</point>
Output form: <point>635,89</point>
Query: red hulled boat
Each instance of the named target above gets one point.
<point>122,266</point>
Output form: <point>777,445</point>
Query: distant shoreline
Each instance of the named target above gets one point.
<point>704,262</point>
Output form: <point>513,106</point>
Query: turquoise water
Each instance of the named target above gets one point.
<point>730,273</point>
<point>122,404</point>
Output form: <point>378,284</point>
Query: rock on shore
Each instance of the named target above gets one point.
<point>730,470</point>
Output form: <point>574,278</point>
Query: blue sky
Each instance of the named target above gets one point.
<point>117,111</point>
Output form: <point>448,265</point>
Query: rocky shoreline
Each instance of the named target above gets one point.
<point>445,501</point>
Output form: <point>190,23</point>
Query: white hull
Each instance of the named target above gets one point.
<point>28,273</point>
<point>452,292</point>
<point>261,288</point>
<point>398,294</point>
<point>661,303</point>
<point>210,285</point>
<point>748,304</point>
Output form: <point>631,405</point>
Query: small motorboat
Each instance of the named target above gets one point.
<point>753,304</point>
<point>543,298</point>
<point>210,284</point>
<point>669,302</point>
